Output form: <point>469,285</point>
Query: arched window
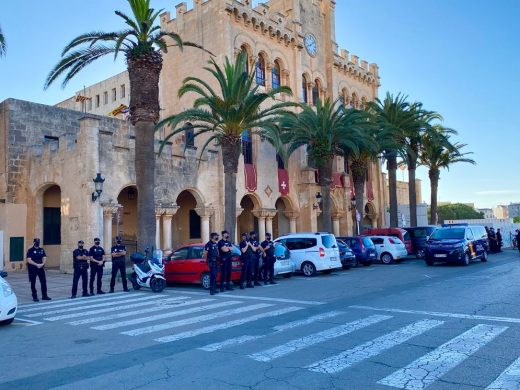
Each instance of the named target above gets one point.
<point>353,101</point>
<point>189,135</point>
<point>243,49</point>
<point>305,97</point>
<point>275,74</point>
<point>316,92</point>
<point>363,103</point>
<point>247,147</point>
<point>260,71</point>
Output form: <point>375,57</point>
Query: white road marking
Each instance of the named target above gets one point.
<point>105,310</point>
<point>279,328</point>
<point>225,325</point>
<point>152,309</point>
<point>268,299</point>
<point>30,322</point>
<point>104,304</point>
<point>67,302</point>
<point>316,338</point>
<point>440,314</point>
<point>428,276</point>
<point>432,366</point>
<point>179,313</point>
<point>194,320</point>
<point>372,348</point>
<point>509,379</point>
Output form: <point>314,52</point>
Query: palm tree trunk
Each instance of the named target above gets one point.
<point>392,187</point>
<point>359,170</point>
<point>230,156</point>
<point>434,184</point>
<point>412,196</point>
<point>144,72</point>
<point>325,183</point>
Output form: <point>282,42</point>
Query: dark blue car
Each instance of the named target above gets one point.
<point>457,244</point>
<point>363,248</point>
<point>419,235</point>
<point>346,255</point>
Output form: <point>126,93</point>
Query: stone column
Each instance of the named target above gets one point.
<point>205,214</point>
<point>167,226</point>
<point>269,221</point>
<point>292,215</point>
<point>263,215</point>
<point>335,223</point>
<point>109,209</point>
<point>159,211</point>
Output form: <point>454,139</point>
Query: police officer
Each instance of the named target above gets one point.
<point>118,264</point>
<point>225,248</point>
<point>80,260</point>
<point>246,254</point>
<point>97,263</point>
<point>36,259</point>
<point>257,253</point>
<point>518,239</point>
<point>267,247</point>
<point>211,254</point>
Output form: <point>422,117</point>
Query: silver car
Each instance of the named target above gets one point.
<point>283,266</point>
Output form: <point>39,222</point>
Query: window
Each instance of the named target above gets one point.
<point>300,243</point>
<point>181,254</point>
<point>260,71</point>
<point>363,103</point>
<point>279,161</point>
<point>328,241</point>
<point>377,241</point>
<point>276,75</point>
<point>342,100</point>
<point>97,101</point>
<point>194,225</point>
<point>368,243</point>
<point>346,165</point>
<point>114,94</point>
<point>353,101</point>
<point>469,234</point>
<point>316,92</point>
<point>51,226</point>
<point>305,97</point>
<point>196,252</point>
<point>123,91</point>
<point>189,135</point>
<point>90,104</point>
<point>247,147</point>
<point>244,50</point>
<point>448,233</point>
<point>105,97</point>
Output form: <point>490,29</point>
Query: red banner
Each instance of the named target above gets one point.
<point>283,181</point>
<point>336,180</point>
<point>370,191</point>
<point>250,174</point>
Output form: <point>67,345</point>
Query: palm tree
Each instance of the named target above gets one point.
<point>142,42</point>
<point>2,43</point>
<point>394,114</point>
<point>327,130</point>
<point>224,115</point>
<point>437,153</point>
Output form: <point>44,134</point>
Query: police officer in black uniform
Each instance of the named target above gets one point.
<point>211,254</point>
<point>225,248</point>
<point>80,259</point>
<point>118,264</point>
<point>257,252</point>
<point>246,255</point>
<point>269,259</point>
<point>97,263</point>
<point>36,259</point>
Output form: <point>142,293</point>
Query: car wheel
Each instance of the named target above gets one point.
<point>308,269</point>
<point>420,254</point>
<point>205,281</point>
<point>157,285</point>
<point>484,257</point>
<point>387,258</point>
<point>288,275</point>
<point>327,271</point>
<point>7,322</point>
<point>467,259</point>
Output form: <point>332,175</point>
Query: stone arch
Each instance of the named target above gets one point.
<point>369,216</point>
<point>285,212</point>
<point>199,197</point>
<point>247,221</point>
<point>49,211</point>
<point>124,223</point>
<point>187,221</point>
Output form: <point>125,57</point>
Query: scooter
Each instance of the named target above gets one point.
<point>148,272</point>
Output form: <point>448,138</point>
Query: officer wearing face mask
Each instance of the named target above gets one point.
<point>36,259</point>
<point>225,248</point>
<point>118,264</point>
<point>269,259</point>
<point>97,263</point>
<point>255,257</point>
<point>80,260</point>
<point>211,254</point>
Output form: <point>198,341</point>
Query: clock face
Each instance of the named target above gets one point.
<point>311,45</point>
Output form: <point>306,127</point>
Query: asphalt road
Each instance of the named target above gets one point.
<point>405,326</point>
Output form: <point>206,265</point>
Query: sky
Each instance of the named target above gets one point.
<point>460,58</point>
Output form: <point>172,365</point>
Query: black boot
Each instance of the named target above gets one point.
<point>229,288</point>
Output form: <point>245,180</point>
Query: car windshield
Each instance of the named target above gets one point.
<point>449,233</point>
<point>328,240</point>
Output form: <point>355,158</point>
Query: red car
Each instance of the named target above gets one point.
<point>402,234</point>
<point>187,265</point>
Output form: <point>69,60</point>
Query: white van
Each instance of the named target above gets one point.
<point>312,252</point>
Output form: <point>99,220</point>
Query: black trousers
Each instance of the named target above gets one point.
<point>225,272</point>
<point>269,268</point>
<point>213,270</point>
<point>255,267</point>
<point>95,270</point>
<point>118,265</point>
<point>246,270</point>
<point>35,272</point>
<point>80,270</point>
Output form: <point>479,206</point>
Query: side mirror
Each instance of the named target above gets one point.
<point>3,274</point>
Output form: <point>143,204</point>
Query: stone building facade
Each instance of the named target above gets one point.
<point>53,153</point>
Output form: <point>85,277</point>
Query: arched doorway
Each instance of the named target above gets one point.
<point>247,221</point>
<point>369,217</point>
<point>186,222</point>
<point>125,221</point>
<point>281,224</point>
<point>51,238</point>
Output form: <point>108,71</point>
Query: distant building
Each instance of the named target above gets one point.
<point>501,212</point>
<point>514,210</point>
<point>488,213</point>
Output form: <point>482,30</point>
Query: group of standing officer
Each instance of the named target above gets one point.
<point>219,255</point>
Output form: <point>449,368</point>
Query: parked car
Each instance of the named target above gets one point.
<point>346,255</point>
<point>284,266</point>
<point>363,248</point>
<point>8,301</point>
<point>187,265</point>
<point>389,249</point>
<point>402,234</point>
<point>312,252</point>
<point>459,244</point>
<point>419,235</point>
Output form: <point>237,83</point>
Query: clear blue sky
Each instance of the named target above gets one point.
<point>460,58</point>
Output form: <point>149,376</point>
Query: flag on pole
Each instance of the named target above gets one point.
<point>122,109</point>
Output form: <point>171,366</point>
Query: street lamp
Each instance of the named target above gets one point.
<point>98,186</point>
<point>319,199</point>
<point>352,204</point>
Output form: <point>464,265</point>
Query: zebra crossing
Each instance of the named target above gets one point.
<point>166,318</point>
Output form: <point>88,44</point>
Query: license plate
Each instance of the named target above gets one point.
<point>372,255</point>
<point>441,255</point>
<point>333,259</point>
